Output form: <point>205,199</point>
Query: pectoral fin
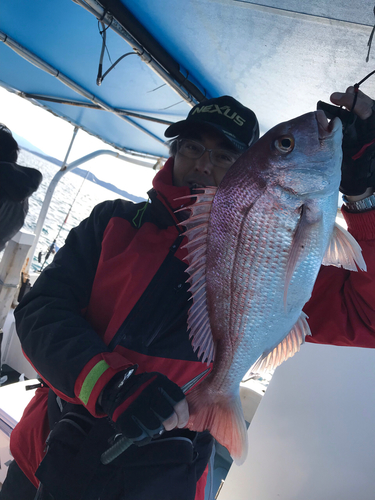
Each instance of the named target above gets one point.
<point>300,247</point>
<point>344,251</point>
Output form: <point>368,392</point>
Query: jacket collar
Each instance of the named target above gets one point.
<point>163,185</point>
<point>165,192</point>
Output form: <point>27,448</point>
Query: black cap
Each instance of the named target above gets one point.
<point>238,123</point>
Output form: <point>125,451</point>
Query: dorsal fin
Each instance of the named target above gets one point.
<point>196,232</point>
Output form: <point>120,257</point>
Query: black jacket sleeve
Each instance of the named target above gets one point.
<point>54,335</point>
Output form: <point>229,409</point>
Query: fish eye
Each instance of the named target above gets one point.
<point>284,144</point>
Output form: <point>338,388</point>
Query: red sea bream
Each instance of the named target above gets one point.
<point>255,246</point>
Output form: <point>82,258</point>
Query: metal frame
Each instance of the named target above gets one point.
<point>70,102</point>
<point>43,65</point>
<point>177,78</point>
<point>28,97</point>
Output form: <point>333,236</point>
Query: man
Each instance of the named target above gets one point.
<point>105,326</point>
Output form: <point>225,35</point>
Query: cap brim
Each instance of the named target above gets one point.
<point>180,127</point>
<point>176,129</point>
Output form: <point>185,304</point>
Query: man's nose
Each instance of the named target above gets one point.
<point>203,164</point>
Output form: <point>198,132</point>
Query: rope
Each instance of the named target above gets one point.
<point>356,88</point>
<point>115,63</point>
<point>100,77</point>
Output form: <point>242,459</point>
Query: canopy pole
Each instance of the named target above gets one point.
<point>70,102</point>
<point>69,148</point>
<point>43,65</point>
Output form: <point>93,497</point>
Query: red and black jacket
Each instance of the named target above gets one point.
<point>114,296</point>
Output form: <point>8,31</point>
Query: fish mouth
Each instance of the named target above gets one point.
<point>326,128</point>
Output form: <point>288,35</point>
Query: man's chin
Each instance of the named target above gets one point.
<point>196,185</point>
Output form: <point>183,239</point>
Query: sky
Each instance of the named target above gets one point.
<point>52,135</point>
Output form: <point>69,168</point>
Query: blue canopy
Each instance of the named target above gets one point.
<point>278,58</point>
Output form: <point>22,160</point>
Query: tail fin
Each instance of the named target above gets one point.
<point>223,418</point>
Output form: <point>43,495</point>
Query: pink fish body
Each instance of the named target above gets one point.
<point>255,246</point>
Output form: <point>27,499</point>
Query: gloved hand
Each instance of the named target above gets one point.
<point>142,406</point>
<point>358,164</point>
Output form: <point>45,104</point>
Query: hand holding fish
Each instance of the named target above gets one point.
<point>144,405</point>
<point>363,106</point>
<point>358,143</point>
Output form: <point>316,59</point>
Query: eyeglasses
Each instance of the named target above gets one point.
<point>222,158</point>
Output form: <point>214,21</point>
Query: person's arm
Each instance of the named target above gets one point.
<point>72,358</point>
<point>341,310</point>
<point>342,307</point>
<point>55,337</point>
<point>18,182</point>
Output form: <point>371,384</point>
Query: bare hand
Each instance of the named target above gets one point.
<point>363,106</point>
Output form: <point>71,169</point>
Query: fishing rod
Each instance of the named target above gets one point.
<point>348,117</point>
<point>51,248</point>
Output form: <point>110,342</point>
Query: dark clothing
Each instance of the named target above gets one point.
<point>17,184</point>
<point>16,485</point>
<point>121,300</point>
<point>165,469</point>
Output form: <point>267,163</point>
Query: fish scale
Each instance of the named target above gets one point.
<point>255,246</point>
<point>261,259</point>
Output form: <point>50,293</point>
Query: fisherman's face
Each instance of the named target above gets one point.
<point>201,172</point>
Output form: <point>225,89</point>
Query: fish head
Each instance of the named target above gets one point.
<point>301,156</point>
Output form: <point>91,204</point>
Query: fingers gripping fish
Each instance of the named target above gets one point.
<point>255,246</point>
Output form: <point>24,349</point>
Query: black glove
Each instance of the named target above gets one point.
<point>358,145</point>
<point>139,403</point>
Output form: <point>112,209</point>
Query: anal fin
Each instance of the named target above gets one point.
<point>286,349</point>
<point>223,418</point>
